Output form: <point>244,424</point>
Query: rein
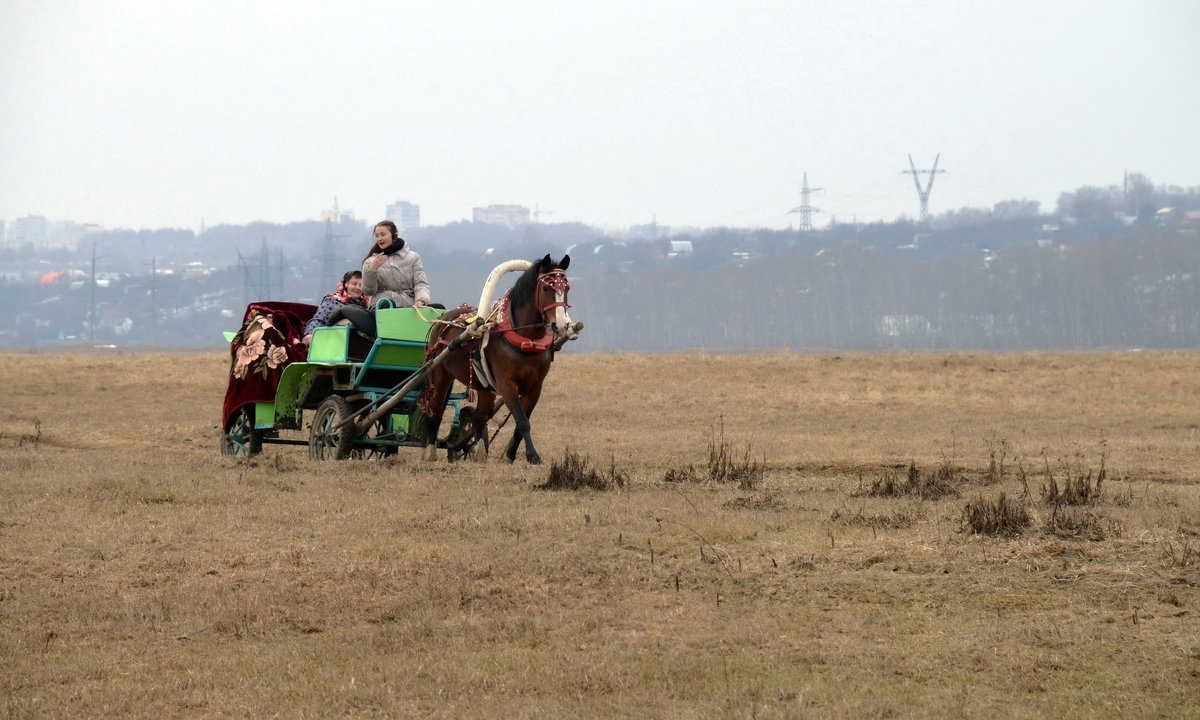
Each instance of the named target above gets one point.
<point>421,315</point>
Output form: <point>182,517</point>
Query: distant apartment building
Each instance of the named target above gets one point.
<point>31,230</point>
<point>69,234</point>
<point>406,215</point>
<point>337,216</point>
<point>511,216</point>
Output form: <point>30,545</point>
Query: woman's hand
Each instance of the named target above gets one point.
<point>378,260</point>
<point>418,303</point>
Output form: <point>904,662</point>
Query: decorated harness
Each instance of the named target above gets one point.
<point>501,317</point>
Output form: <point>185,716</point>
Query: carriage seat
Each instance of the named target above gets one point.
<point>401,339</point>
<point>339,343</point>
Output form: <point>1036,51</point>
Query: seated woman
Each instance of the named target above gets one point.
<point>349,294</point>
<point>391,271</point>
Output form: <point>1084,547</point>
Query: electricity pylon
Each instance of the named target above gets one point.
<point>923,194</point>
<point>806,209</point>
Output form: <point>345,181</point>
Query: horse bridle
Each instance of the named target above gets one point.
<point>555,280</point>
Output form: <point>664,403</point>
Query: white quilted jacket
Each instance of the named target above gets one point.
<point>401,279</point>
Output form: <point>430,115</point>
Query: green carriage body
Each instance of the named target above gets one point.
<point>362,372</point>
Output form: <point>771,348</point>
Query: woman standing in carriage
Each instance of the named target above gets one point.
<point>394,271</point>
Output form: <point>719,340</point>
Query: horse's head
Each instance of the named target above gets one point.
<point>551,297</point>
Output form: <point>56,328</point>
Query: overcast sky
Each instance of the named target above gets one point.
<point>149,114</point>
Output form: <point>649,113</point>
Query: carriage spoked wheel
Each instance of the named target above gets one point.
<point>460,443</point>
<point>241,438</point>
<point>325,440</point>
<point>372,451</point>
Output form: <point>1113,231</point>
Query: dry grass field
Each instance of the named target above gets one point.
<point>825,566</point>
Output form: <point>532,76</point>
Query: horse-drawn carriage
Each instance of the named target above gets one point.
<point>369,396</point>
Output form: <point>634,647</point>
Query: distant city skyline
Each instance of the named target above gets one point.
<point>137,115</point>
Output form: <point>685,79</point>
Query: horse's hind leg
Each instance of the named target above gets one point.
<point>438,393</point>
<point>485,408</point>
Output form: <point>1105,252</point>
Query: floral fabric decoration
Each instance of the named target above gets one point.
<point>261,347</point>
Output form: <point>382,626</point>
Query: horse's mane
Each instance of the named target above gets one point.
<point>522,289</point>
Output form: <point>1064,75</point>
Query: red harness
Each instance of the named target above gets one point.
<point>556,280</point>
<point>505,329</point>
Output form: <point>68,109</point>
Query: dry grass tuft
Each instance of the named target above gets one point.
<point>32,441</point>
<point>1078,488</point>
<point>723,466</point>
<point>770,500</point>
<point>943,482</point>
<point>998,450</point>
<point>1076,491</point>
<point>894,520</point>
<point>574,472</point>
<point>1001,516</point>
<point>1181,553</point>
<point>1080,524</point>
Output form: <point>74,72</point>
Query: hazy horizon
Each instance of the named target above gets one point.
<point>134,115</point>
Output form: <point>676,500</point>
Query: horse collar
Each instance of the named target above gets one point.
<point>506,330</point>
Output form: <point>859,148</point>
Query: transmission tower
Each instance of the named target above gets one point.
<point>154,298</point>
<point>257,281</point>
<point>806,209</point>
<point>329,255</point>
<point>923,194</point>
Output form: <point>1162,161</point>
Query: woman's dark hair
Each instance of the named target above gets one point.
<point>397,241</point>
<point>350,276</point>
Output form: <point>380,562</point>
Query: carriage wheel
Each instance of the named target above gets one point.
<point>241,438</point>
<point>374,452</point>
<point>457,446</point>
<point>325,442</point>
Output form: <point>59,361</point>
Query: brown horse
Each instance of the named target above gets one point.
<point>530,322</point>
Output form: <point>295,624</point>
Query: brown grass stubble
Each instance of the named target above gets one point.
<point>144,575</point>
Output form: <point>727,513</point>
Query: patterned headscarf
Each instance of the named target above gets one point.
<point>341,294</point>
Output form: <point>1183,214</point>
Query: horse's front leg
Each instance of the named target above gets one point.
<point>527,403</point>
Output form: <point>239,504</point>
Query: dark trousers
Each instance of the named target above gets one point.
<point>362,318</point>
